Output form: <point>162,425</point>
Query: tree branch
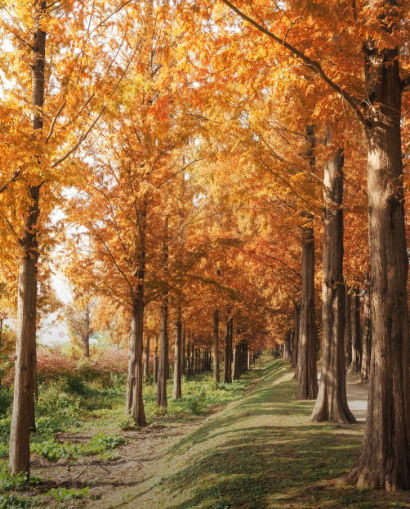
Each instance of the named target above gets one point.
<point>352,101</point>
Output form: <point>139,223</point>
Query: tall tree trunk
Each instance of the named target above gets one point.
<point>347,341</point>
<point>156,359</point>
<point>163,370</point>
<point>135,404</point>
<point>236,361</point>
<point>385,459</point>
<point>227,358</point>
<point>286,346</point>
<point>367,333</point>
<point>307,372</point>
<point>296,330</point>
<point>23,403</point>
<point>146,364</point>
<point>86,343</point>
<point>183,352</point>
<point>230,351</point>
<point>216,346</point>
<point>331,404</point>
<point>178,358</point>
<point>163,356</point>
<point>356,355</point>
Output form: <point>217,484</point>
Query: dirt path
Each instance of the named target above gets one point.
<point>137,461</point>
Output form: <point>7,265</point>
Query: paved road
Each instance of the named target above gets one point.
<point>357,399</point>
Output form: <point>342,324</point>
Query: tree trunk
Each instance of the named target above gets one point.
<point>23,403</point>
<point>163,356</point>
<point>216,346</point>
<point>307,372</point>
<point>385,459</point>
<point>356,356</point>
<point>163,370</point>
<point>367,333</point>
<point>331,404</point>
<point>86,343</point>
<point>146,364</point>
<point>347,341</point>
<point>178,358</point>
<point>296,330</point>
<point>183,352</point>
<point>135,404</point>
<point>227,359</point>
<point>286,347</point>
<point>156,359</point>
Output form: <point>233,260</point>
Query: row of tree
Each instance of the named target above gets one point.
<point>207,164</point>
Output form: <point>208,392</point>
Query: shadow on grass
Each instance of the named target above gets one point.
<point>246,471</point>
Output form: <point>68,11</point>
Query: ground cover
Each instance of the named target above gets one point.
<point>85,445</point>
<point>260,452</point>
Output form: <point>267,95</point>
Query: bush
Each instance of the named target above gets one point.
<point>6,401</point>
<point>196,403</point>
<point>275,354</point>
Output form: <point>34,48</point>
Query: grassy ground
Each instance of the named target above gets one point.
<point>80,424</point>
<point>261,452</point>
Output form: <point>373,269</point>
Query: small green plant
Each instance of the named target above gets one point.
<point>15,482</point>
<point>53,450</point>
<point>13,502</point>
<point>128,423</point>
<point>63,494</point>
<point>275,354</point>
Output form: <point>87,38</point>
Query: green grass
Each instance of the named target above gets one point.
<point>261,452</point>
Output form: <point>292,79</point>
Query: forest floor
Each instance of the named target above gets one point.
<point>260,452</point>
<point>85,447</point>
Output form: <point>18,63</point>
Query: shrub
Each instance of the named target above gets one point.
<point>196,403</point>
<point>6,401</point>
<point>275,354</point>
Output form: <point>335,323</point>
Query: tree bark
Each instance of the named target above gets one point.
<point>216,346</point>
<point>356,353</point>
<point>331,404</point>
<point>347,341</point>
<point>135,404</point>
<point>183,352</point>
<point>307,371</point>
<point>385,459</point>
<point>146,364</point>
<point>163,356</point>
<point>156,359</point>
<point>286,346</point>
<point>177,393</point>
<point>296,330</point>
<point>227,358</point>
<point>23,403</point>
<point>163,370</point>
<point>86,344</point>
<point>367,333</point>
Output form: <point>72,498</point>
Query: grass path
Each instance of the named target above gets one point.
<point>260,452</point>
